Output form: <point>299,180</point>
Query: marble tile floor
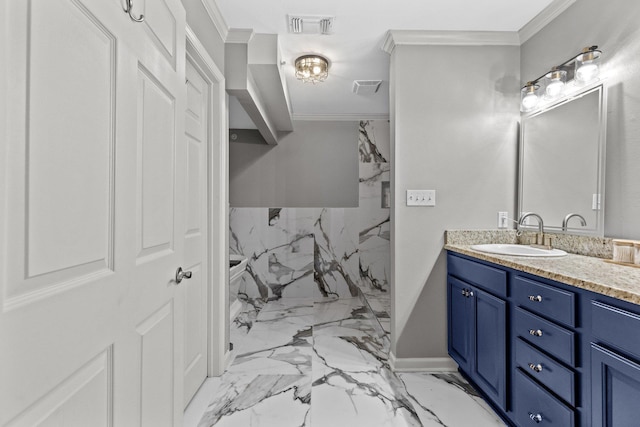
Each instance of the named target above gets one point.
<point>324,363</point>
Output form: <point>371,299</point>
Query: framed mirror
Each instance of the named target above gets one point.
<point>562,160</point>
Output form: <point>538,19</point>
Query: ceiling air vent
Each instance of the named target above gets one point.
<point>366,87</point>
<point>310,24</point>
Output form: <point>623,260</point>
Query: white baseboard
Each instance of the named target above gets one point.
<point>422,364</point>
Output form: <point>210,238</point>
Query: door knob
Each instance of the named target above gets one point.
<point>181,274</point>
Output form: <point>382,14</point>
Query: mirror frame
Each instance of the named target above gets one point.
<point>577,93</point>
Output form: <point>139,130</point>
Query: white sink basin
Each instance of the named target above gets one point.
<point>518,250</point>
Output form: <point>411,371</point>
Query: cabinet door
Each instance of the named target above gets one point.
<point>615,389</point>
<point>460,317</point>
<point>490,368</point>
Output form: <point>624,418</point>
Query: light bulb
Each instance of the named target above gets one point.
<point>555,83</point>
<point>530,98</point>
<point>587,72</point>
<point>530,101</point>
<point>587,67</point>
<point>306,73</point>
<point>316,69</point>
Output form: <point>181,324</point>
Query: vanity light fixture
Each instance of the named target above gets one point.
<point>312,68</point>
<point>583,68</point>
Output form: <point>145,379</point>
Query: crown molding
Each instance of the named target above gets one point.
<point>450,38</point>
<point>350,117</point>
<point>239,35</point>
<point>216,18</point>
<point>548,14</point>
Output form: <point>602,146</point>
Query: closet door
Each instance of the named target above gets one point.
<point>90,208</point>
<point>149,360</point>
<point>197,141</point>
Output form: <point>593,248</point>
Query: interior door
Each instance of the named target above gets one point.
<point>149,360</point>
<point>196,143</point>
<point>91,201</point>
<point>61,242</point>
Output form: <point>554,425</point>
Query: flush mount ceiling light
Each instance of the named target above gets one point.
<point>582,69</point>
<point>312,68</point>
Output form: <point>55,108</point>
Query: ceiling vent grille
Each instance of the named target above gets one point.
<point>310,24</point>
<point>366,87</point>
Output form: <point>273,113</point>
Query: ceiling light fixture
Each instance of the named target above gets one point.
<point>583,68</point>
<point>312,68</point>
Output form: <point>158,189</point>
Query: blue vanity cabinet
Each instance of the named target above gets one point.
<point>477,326</point>
<point>615,364</point>
<point>543,352</point>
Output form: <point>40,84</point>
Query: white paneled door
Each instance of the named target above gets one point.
<point>98,206</point>
<point>196,142</point>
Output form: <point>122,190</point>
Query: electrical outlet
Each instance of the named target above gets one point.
<point>503,219</point>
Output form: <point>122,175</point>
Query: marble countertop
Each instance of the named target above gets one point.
<point>590,273</point>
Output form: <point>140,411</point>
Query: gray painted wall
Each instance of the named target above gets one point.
<point>612,25</point>
<point>454,114</point>
<point>316,165</point>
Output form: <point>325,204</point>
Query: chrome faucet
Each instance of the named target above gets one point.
<point>540,235</point>
<point>565,222</point>
<point>536,216</point>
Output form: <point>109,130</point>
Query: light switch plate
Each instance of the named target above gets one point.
<point>421,197</point>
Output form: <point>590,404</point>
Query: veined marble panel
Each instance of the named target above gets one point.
<point>291,252</point>
<point>296,252</point>
<point>374,141</point>
<point>247,237</point>
<point>336,253</point>
<point>260,400</point>
<point>374,220</point>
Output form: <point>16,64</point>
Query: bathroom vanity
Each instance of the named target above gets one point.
<point>548,341</point>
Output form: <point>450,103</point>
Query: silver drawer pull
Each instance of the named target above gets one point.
<point>535,333</point>
<point>536,298</point>
<point>536,368</point>
<point>535,417</point>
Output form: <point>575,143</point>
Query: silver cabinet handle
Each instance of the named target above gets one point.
<point>535,368</point>
<point>471,293</point>
<point>536,298</point>
<point>464,292</point>
<point>181,274</point>
<point>535,333</point>
<point>535,417</point>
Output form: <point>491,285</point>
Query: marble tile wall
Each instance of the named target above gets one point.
<point>321,252</point>
<point>373,212</point>
<point>296,252</point>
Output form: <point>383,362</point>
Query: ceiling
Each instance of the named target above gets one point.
<point>354,47</point>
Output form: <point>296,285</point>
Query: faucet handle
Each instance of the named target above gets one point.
<point>548,240</point>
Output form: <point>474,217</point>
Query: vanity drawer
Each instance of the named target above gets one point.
<point>618,327</point>
<point>547,371</point>
<point>534,406</point>
<point>546,335</point>
<point>554,303</point>
<point>491,279</point>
